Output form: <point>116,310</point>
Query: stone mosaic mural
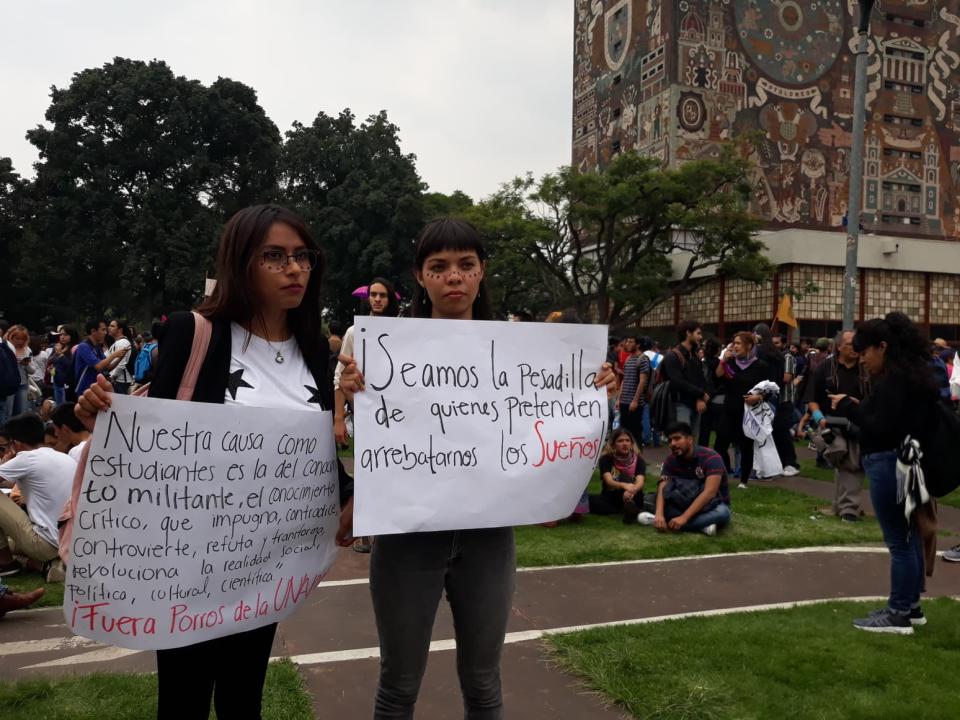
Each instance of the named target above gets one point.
<point>673,79</point>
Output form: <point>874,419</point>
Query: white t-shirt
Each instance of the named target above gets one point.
<point>346,348</point>
<point>120,373</point>
<point>45,477</point>
<point>258,380</point>
<point>76,451</point>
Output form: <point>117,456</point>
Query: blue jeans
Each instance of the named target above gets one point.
<point>651,436</point>
<point>903,542</point>
<point>408,576</point>
<point>719,516</point>
<point>59,394</point>
<point>19,401</point>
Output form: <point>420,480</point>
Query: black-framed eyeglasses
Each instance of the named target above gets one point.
<point>276,260</point>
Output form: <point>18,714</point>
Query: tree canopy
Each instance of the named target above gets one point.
<point>606,243</point>
<point>139,168</point>
<point>361,196</point>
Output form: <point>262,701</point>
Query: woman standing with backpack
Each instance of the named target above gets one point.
<point>265,349</point>
<point>410,572</point>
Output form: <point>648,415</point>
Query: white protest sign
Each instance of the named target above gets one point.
<point>470,424</point>
<point>197,520</point>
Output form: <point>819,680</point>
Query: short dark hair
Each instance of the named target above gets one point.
<point>93,324</point>
<point>448,233</point>
<point>781,337</point>
<point>687,326</point>
<point>680,427</point>
<point>65,415</point>
<point>335,327</point>
<point>645,343</point>
<point>26,428</point>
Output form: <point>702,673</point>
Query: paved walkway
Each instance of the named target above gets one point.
<point>333,638</point>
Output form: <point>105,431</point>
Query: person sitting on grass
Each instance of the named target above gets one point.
<point>70,431</point>
<point>693,493</point>
<point>45,477</point>
<point>622,473</point>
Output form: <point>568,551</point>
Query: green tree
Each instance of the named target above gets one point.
<point>138,170</point>
<point>437,204</point>
<point>617,243</point>
<point>12,217</point>
<point>361,196</point>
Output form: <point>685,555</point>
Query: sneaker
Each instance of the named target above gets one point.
<point>11,568</point>
<point>646,518</point>
<point>953,554</point>
<point>849,518</point>
<point>710,530</point>
<point>885,621</point>
<point>790,471</point>
<point>916,616</point>
<point>742,486</point>
<point>55,571</point>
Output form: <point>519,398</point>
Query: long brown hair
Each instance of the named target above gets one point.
<point>449,234</point>
<point>235,298</point>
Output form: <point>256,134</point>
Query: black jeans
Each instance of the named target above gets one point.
<point>782,422</point>
<point>231,669</point>
<point>408,574</point>
<point>730,432</point>
<point>632,421</point>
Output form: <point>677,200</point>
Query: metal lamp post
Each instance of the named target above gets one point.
<point>856,166</point>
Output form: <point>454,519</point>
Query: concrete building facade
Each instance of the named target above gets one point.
<point>675,79</point>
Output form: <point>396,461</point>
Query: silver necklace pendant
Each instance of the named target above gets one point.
<point>279,358</point>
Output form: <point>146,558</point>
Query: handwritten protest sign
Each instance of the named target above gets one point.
<point>198,520</point>
<point>474,424</point>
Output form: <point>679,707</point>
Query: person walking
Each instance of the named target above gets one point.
<point>121,375</point>
<point>266,348</point>
<point>474,567</point>
<point>900,408</point>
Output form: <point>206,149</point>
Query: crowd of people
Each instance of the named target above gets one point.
<point>725,410</point>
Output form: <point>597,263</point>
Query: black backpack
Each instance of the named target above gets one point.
<point>940,470</point>
<point>9,371</point>
<point>662,410</point>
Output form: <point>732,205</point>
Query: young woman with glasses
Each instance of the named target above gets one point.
<point>266,350</point>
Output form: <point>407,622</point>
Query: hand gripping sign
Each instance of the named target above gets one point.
<point>196,521</point>
<point>470,424</point>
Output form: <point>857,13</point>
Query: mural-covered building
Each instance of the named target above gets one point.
<point>674,79</point>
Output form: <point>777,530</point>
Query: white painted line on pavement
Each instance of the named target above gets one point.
<point>528,635</point>
<point>46,645</point>
<point>102,655</point>
<point>828,549</point>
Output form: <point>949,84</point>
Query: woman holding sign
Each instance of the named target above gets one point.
<point>266,350</point>
<point>410,572</point>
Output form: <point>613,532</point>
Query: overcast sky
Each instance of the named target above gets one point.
<point>480,89</point>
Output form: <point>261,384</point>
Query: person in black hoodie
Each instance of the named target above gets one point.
<point>901,404</point>
<point>266,346</point>
<point>740,370</point>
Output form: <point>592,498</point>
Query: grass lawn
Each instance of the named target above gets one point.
<point>805,663</point>
<point>763,518</point>
<point>134,697</point>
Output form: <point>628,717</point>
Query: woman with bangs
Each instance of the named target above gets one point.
<point>409,572</point>
<point>266,350</point>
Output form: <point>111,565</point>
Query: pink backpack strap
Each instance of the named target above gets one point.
<point>202,331</point>
<point>198,352</point>
<point>65,521</point>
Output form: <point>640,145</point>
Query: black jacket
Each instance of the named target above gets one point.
<point>899,405</point>
<point>174,353</point>
<point>687,384</point>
